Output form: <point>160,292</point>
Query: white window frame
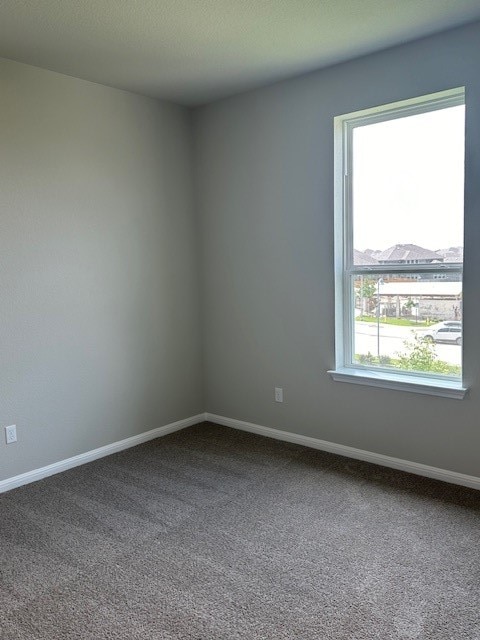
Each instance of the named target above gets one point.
<point>345,369</point>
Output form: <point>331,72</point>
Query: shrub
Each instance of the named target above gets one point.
<point>421,356</point>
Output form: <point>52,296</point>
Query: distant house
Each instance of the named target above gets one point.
<point>400,254</point>
<point>408,254</point>
<point>363,258</point>
<point>452,254</point>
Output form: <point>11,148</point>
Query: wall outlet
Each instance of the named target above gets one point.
<point>11,434</point>
<point>278,394</point>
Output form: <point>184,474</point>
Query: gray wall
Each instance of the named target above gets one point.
<point>101,332</point>
<point>264,170</point>
<point>99,328</point>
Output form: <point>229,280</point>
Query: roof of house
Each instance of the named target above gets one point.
<point>452,254</point>
<point>403,252</point>
<point>363,258</point>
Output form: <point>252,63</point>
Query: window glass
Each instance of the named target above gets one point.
<point>402,322</point>
<point>408,181</point>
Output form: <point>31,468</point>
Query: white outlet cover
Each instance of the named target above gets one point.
<point>11,434</point>
<point>278,394</point>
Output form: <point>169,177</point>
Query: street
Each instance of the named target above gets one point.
<point>392,338</point>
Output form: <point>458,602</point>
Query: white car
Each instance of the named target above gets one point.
<point>448,331</point>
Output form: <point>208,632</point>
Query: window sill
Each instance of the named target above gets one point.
<point>414,384</point>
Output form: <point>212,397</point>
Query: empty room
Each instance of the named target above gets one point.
<point>239,285</point>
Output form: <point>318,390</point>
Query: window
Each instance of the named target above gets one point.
<point>399,244</point>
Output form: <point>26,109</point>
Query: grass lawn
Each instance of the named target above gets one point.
<point>424,365</point>
<point>400,322</point>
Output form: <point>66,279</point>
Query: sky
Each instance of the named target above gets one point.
<point>408,181</point>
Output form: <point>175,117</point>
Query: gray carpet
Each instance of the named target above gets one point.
<point>211,534</point>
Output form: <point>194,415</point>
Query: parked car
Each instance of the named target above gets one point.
<point>448,331</point>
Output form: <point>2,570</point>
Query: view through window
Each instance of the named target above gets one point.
<point>403,250</point>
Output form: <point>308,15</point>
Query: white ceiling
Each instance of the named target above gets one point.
<point>194,51</point>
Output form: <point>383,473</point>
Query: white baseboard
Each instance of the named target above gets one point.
<point>314,443</point>
<point>101,452</point>
<point>350,452</point>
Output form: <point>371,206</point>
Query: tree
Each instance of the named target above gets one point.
<point>366,291</point>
